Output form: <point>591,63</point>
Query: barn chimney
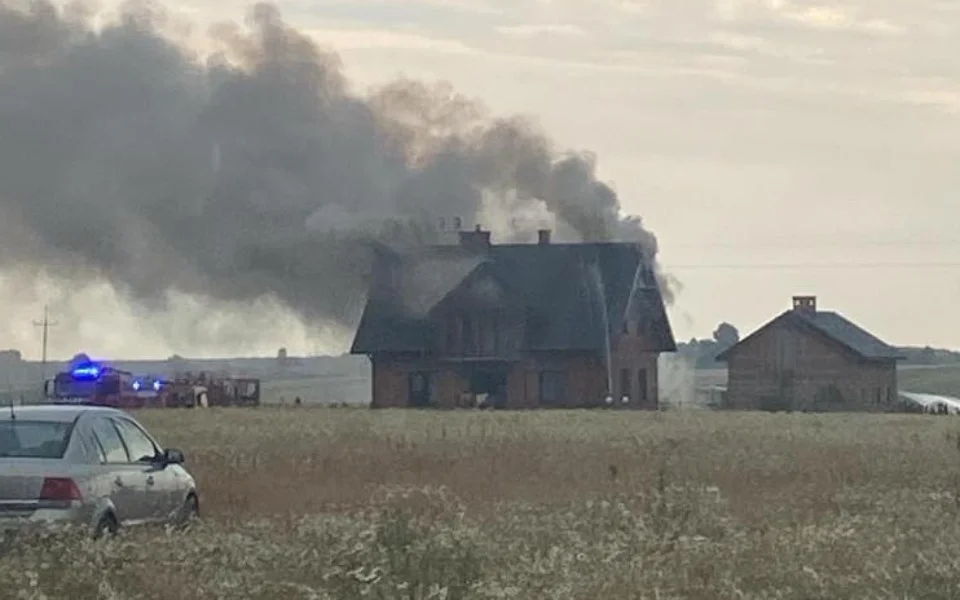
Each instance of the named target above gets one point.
<point>478,239</point>
<point>543,236</point>
<point>805,304</point>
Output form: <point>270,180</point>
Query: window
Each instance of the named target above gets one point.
<point>625,383</point>
<point>488,334</point>
<point>106,435</point>
<point>418,383</point>
<point>419,389</point>
<point>553,387</point>
<point>467,337</point>
<point>879,395</point>
<point>91,450</point>
<point>642,385</point>
<point>34,439</point>
<point>453,327</point>
<point>139,447</point>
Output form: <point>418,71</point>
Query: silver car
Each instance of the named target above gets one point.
<point>91,466</point>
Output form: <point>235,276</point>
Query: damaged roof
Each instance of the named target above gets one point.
<point>557,284</point>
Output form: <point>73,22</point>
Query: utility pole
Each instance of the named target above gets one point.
<point>46,324</point>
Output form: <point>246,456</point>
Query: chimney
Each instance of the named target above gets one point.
<point>543,236</point>
<point>478,239</point>
<point>805,303</point>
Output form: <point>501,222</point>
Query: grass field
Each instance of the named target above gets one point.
<point>341,504</point>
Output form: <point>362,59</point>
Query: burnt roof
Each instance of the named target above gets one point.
<point>837,328</point>
<point>554,282</point>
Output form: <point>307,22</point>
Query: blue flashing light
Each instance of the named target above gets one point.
<point>156,385</point>
<point>137,385</point>
<point>86,372</point>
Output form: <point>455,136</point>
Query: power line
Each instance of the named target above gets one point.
<point>814,244</point>
<point>46,324</point>
<point>848,265</point>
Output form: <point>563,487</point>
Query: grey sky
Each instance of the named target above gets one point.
<point>743,132</point>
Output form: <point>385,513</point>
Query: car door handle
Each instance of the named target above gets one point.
<point>150,480</point>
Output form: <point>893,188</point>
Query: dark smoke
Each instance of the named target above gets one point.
<point>252,173</point>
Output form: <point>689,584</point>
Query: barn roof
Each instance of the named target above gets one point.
<point>834,326</point>
<point>556,283</point>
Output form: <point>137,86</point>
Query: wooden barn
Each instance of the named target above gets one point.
<point>514,325</point>
<point>808,359</point>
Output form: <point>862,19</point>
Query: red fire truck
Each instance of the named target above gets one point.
<point>88,382</point>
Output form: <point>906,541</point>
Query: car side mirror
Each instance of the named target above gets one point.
<point>172,456</point>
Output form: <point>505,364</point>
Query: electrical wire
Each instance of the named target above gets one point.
<point>848,265</point>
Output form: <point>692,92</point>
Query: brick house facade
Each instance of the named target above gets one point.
<point>514,325</point>
<point>806,359</point>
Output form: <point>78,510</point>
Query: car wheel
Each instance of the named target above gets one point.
<point>189,512</point>
<point>108,525</point>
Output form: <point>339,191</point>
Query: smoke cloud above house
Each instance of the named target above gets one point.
<point>252,173</point>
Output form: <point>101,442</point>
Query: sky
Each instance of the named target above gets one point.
<point>775,148</point>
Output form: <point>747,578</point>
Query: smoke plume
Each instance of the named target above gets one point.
<point>251,173</point>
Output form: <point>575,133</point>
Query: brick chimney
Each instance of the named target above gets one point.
<point>543,236</point>
<point>805,303</point>
<point>478,239</point>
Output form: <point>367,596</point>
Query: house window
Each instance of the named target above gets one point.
<point>453,329</point>
<point>879,395</point>
<point>553,387</point>
<point>642,385</point>
<point>488,334</point>
<point>418,389</point>
<point>625,383</point>
<point>467,337</point>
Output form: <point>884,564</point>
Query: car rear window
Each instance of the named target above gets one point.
<point>34,439</point>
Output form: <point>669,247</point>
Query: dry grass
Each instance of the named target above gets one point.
<point>357,504</point>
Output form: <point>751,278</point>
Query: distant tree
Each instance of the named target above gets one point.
<point>12,356</point>
<point>703,353</point>
<point>282,357</point>
<point>726,335</point>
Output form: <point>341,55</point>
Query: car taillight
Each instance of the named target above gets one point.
<point>60,489</point>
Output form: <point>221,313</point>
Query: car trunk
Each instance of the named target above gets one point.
<point>20,483</point>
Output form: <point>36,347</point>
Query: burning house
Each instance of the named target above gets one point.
<point>514,325</point>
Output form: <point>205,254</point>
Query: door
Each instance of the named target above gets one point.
<point>419,389</point>
<point>157,501</point>
<point>127,480</point>
<point>642,386</point>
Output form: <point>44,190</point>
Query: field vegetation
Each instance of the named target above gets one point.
<point>351,503</point>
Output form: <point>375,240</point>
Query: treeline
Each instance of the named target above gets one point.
<point>702,354</point>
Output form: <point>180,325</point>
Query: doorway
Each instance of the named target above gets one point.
<point>489,386</point>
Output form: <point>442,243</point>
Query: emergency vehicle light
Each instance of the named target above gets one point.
<point>86,372</point>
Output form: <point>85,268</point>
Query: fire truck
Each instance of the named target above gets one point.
<point>88,382</point>
<point>205,389</point>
